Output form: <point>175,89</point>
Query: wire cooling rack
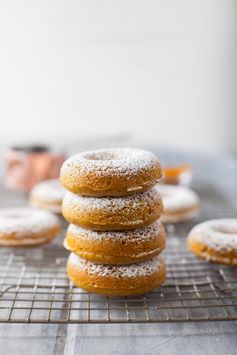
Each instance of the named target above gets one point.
<point>34,287</point>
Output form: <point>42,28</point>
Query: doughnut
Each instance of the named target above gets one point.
<point>113,213</point>
<point>116,247</point>
<point>111,172</point>
<point>27,226</point>
<point>48,194</point>
<point>180,203</point>
<point>215,240</point>
<point>116,280</point>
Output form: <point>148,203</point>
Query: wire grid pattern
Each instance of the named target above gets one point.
<point>34,287</point>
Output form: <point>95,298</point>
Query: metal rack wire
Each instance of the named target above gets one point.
<point>34,287</point>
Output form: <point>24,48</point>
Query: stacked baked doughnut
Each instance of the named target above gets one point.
<point>114,236</point>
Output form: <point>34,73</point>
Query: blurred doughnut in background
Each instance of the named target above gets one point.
<point>180,203</point>
<point>48,194</point>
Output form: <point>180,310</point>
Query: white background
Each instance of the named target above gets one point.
<point>163,71</point>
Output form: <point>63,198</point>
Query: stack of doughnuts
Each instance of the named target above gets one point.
<point>114,235</point>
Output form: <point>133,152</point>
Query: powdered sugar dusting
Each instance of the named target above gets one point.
<point>111,162</point>
<point>177,197</point>
<point>112,203</point>
<point>119,271</point>
<point>23,221</point>
<point>48,190</point>
<point>136,235</point>
<point>218,234</point>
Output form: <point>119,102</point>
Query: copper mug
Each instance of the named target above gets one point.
<point>27,165</point>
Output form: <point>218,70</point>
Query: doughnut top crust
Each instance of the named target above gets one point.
<point>113,161</point>
<point>136,235</point>
<point>23,221</point>
<point>111,172</point>
<point>48,190</point>
<point>120,271</point>
<point>177,197</point>
<point>217,234</point>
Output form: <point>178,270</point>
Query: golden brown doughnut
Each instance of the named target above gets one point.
<point>48,194</point>
<point>180,203</point>
<point>215,240</point>
<point>116,247</point>
<point>116,280</point>
<point>111,172</point>
<point>113,213</point>
<point>27,226</point>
